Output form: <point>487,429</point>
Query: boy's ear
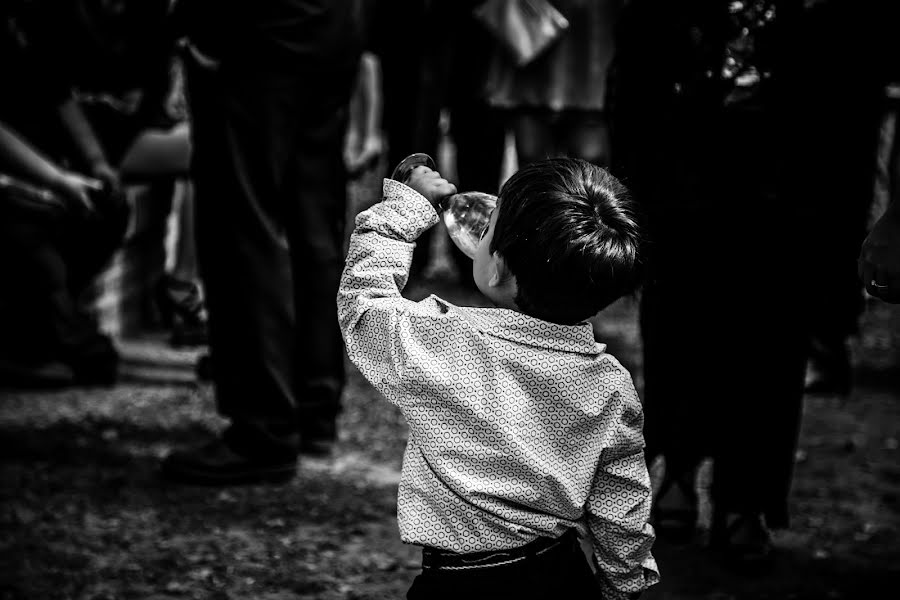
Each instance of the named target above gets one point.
<point>500,273</point>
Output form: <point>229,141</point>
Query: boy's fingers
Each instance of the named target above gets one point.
<point>446,188</point>
<point>422,171</point>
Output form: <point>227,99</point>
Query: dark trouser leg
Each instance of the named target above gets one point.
<point>259,209</point>
<point>760,410</point>
<point>87,248</point>
<point>317,186</point>
<point>723,325</point>
<point>47,264</point>
<point>242,248</point>
<point>677,406</point>
<point>480,135</point>
<point>724,370</point>
<point>838,196</point>
<point>412,87</point>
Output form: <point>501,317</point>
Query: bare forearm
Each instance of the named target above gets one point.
<point>370,88</point>
<point>20,157</point>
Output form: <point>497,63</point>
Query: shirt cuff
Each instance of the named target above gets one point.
<point>408,209</point>
<point>650,578</point>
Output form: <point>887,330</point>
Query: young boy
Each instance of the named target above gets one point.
<point>524,433</point>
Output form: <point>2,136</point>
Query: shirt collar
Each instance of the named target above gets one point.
<point>523,329</point>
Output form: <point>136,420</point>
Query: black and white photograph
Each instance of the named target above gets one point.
<point>449,299</point>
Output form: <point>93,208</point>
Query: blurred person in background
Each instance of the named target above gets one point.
<point>128,121</point>
<point>58,229</point>
<point>364,142</point>
<point>104,100</point>
<point>840,106</point>
<point>51,54</point>
<point>715,135</point>
<point>879,258</point>
<point>556,103</point>
<point>269,86</point>
<point>434,59</point>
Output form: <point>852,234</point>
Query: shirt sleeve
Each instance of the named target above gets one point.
<point>618,507</point>
<point>375,319</point>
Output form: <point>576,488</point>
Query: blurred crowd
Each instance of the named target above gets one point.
<point>747,130</point>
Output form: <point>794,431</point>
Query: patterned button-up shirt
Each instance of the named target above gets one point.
<point>518,428</point>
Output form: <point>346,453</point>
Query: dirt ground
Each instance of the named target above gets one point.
<point>84,515</point>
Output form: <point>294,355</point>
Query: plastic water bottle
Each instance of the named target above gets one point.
<point>466,215</point>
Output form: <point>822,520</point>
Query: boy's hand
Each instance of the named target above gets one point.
<point>430,184</point>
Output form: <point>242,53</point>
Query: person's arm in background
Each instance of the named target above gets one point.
<point>19,157</point>
<point>879,258</point>
<point>87,142</point>
<point>365,143</point>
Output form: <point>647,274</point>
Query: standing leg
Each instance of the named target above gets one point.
<point>315,193</point>
<point>587,136</point>
<point>243,127</point>
<point>48,264</point>
<point>480,138</point>
<point>534,136</point>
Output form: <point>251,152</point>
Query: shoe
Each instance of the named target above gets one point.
<point>317,421</point>
<point>217,464</point>
<point>182,309</point>
<point>317,447</point>
<point>95,363</point>
<point>35,375</point>
<point>743,541</point>
<point>319,441</point>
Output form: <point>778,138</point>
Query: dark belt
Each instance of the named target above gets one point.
<point>434,558</point>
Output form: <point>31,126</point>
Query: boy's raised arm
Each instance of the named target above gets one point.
<point>618,507</point>
<point>376,271</point>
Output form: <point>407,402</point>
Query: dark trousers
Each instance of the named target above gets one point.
<point>448,73</point>
<point>837,161</point>
<point>271,198</point>
<point>722,317</point>
<point>47,261</point>
<point>562,572</point>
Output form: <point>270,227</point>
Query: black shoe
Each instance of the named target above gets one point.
<point>743,541</point>
<point>95,363</point>
<point>318,423</point>
<point>317,447</point>
<point>181,307</point>
<point>319,438</point>
<point>99,372</point>
<point>35,375</point>
<point>217,464</point>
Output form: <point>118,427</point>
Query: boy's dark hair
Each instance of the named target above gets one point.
<point>568,232</point>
